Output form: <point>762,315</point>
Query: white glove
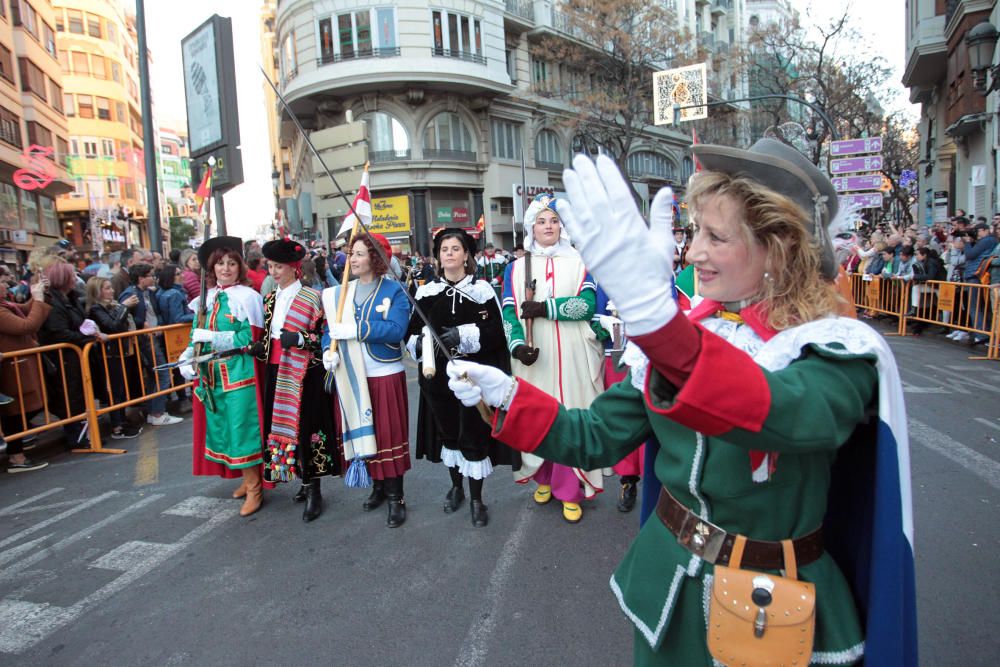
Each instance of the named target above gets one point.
<point>608,322</point>
<point>471,383</point>
<point>411,347</point>
<point>188,371</point>
<point>202,336</point>
<point>331,360</point>
<point>633,263</point>
<point>343,331</point>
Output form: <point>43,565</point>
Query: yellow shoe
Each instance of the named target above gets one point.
<point>543,494</point>
<point>572,512</point>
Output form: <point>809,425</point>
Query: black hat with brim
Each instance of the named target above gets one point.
<point>788,172</point>
<point>284,251</point>
<point>206,249</point>
<point>465,237</point>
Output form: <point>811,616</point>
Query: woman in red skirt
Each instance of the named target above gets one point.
<point>372,410</point>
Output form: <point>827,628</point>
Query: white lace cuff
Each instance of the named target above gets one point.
<point>453,458</point>
<point>469,334</point>
<point>222,341</point>
<point>411,347</point>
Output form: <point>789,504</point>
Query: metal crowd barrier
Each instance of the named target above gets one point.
<point>968,307</point>
<point>122,366</point>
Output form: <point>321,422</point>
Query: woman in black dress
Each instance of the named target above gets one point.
<point>466,316</point>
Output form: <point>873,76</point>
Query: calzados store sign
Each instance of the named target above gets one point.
<point>390,215</point>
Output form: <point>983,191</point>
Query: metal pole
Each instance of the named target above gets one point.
<point>148,136</point>
<point>220,214</point>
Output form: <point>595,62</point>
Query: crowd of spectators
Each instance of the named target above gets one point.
<point>958,251</point>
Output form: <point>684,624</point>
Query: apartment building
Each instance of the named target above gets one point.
<point>958,128</point>
<point>31,113</point>
<point>450,94</point>
<point>97,48</point>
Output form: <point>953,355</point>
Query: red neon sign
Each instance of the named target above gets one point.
<point>39,171</point>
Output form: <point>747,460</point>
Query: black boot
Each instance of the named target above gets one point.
<point>300,495</point>
<point>397,506</point>
<point>454,499</point>
<point>479,515</point>
<point>626,501</point>
<point>314,501</point>
<point>377,496</point>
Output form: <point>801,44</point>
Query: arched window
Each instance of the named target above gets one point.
<point>687,168</point>
<point>387,138</point>
<point>648,163</point>
<point>547,150</point>
<point>447,136</point>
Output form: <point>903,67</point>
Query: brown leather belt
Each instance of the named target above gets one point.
<point>709,542</point>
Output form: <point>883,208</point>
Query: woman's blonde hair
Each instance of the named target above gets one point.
<point>793,289</point>
<point>93,291</point>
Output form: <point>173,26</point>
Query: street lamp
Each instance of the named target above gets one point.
<point>980,42</point>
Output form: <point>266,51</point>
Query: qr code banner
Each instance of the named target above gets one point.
<point>683,86</point>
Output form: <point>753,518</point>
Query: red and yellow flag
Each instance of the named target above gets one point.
<point>204,190</point>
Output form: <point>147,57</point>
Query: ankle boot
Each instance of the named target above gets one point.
<point>314,501</point>
<point>626,500</point>
<point>300,495</point>
<point>454,499</point>
<point>377,496</point>
<point>255,497</point>
<point>397,506</point>
<point>241,490</point>
<point>479,515</point>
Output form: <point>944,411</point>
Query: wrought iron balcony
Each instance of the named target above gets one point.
<point>468,56</point>
<point>523,8</point>
<point>388,52</point>
<point>380,157</point>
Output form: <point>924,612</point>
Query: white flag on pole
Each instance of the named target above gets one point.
<point>363,206</point>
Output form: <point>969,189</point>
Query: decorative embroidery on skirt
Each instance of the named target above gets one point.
<point>321,461</point>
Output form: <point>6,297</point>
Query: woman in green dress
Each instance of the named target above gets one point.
<point>227,440</point>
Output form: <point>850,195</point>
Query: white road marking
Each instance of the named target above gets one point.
<point>199,507</point>
<point>987,422</point>
<point>27,501</point>
<point>20,550</point>
<point>474,649</point>
<point>12,571</point>
<point>58,517</point>
<point>979,465</point>
<point>27,623</point>
<point>50,506</point>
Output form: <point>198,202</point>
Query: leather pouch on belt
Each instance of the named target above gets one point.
<point>758,619</point>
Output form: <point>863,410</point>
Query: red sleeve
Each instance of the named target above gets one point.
<point>528,420</point>
<point>720,387</point>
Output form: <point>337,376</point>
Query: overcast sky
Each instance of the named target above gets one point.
<point>252,203</point>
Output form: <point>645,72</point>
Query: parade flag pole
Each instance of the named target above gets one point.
<point>362,201</point>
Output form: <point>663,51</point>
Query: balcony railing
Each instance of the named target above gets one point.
<point>380,157</point>
<point>523,8</point>
<point>562,22</point>
<point>384,52</point>
<point>468,56</point>
<point>447,154</point>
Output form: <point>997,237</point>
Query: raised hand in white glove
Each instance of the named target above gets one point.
<point>202,336</point>
<point>608,322</point>
<point>632,262</point>
<point>331,360</point>
<point>471,383</point>
<point>188,371</point>
<point>343,331</point>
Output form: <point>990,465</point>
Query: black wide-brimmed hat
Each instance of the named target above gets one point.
<point>206,249</point>
<point>465,237</point>
<point>788,172</point>
<point>284,251</point>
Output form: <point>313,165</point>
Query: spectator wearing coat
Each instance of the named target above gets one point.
<point>171,298</point>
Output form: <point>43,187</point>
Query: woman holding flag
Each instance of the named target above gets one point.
<point>367,319</point>
<point>783,451</point>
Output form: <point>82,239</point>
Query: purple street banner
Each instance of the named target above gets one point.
<point>862,200</point>
<point>863,182</point>
<point>849,165</point>
<point>855,146</point>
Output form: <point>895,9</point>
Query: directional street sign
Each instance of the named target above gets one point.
<point>852,183</point>
<point>854,164</point>
<point>862,200</point>
<point>856,146</point>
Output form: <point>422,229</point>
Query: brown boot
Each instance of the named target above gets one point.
<point>251,476</point>
<point>241,490</point>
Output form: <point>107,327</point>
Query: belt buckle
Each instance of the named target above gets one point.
<point>702,538</point>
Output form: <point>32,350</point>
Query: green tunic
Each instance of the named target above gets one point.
<point>706,429</point>
<point>232,430</point>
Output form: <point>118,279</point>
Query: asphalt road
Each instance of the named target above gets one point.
<point>128,560</point>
